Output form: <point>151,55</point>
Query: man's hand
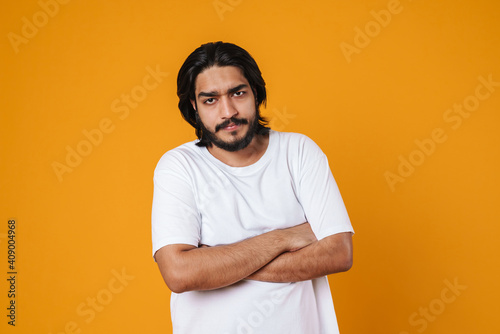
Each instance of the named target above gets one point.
<point>329,255</point>
<point>299,236</point>
<point>186,267</point>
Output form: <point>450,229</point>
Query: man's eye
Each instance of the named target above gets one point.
<point>209,101</point>
<point>240,93</point>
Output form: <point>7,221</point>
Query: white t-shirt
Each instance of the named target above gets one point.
<point>200,200</point>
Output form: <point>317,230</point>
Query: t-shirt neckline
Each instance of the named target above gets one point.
<point>245,170</point>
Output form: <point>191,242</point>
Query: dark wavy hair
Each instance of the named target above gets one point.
<point>218,54</point>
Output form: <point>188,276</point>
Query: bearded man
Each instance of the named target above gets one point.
<point>246,221</point>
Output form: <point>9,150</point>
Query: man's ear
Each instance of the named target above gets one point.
<point>193,103</point>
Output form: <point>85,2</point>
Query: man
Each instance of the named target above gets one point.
<point>246,221</point>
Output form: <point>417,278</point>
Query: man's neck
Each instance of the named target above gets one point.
<point>245,157</point>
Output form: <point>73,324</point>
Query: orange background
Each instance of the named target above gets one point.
<point>367,107</point>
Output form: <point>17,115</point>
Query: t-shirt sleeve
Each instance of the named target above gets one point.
<point>319,194</point>
<point>174,218</point>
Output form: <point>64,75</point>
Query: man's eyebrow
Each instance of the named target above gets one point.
<point>230,91</point>
<point>237,88</point>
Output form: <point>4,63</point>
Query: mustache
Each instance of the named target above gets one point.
<point>234,120</point>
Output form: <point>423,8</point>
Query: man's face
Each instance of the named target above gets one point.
<point>226,107</point>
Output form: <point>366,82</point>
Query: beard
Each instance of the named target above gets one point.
<point>235,145</point>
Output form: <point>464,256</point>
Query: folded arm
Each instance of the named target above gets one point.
<point>329,255</point>
<point>186,267</point>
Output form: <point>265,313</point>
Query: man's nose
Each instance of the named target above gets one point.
<point>227,108</point>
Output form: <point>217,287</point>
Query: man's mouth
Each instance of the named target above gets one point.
<point>231,125</point>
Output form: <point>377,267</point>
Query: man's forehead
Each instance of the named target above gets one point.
<point>219,79</point>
